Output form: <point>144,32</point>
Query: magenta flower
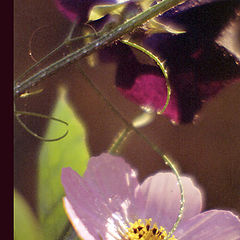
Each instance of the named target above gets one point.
<point>108,203</point>
<point>198,67</point>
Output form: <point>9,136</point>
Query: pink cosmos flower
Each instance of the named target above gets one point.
<point>109,203</point>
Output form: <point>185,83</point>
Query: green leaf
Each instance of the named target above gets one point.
<point>71,151</point>
<point>25,224</point>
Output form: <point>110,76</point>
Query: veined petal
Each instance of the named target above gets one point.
<point>162,195</point>
<point>101,198</point>
<point>212,225</point>
<point>76,221</point>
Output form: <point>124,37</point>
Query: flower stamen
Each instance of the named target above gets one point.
<point>144,231</point>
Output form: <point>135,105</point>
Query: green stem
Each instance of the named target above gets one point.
<point>106,38</point>
<point>130,127</point>
<point>120,139</point>
<point>175,171</point>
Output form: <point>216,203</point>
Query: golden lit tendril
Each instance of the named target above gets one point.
<point>163,69</point>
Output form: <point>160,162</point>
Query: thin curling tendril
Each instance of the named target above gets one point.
<point>160,64</point>
<point>68,40</point>
<point>19,113</point>
<point>30,52</point>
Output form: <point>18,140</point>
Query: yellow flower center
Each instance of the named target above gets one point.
<point>144,231</point>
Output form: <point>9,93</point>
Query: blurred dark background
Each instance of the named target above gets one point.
<point>209,150</point>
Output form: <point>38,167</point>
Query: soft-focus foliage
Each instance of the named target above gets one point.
<point>25,224</point>
<point>69,151</point>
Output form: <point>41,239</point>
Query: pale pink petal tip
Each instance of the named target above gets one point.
<point>211,225</point>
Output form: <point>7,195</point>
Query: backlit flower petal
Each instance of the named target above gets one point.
<point>163,199</point>
<point>212,225</point>
<point>102,196</point>
<point>107,199</point>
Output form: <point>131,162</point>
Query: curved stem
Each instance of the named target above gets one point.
<point>106,38</point>
<point>160,64</point>
<point>130,127</point>
<point>120,139</point>
<point>177,174</point>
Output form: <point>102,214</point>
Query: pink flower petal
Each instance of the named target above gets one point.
<point>163,199</point>
<point>76,221</point>
<point>112,176</point>
<point>101,204</point>
<point>100,199</point>
<point>210,225</point>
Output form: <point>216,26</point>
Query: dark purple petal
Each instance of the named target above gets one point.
<point>211,225</point>
<point>146,86</point>
<point>102,196</point>
<point>187,5</point>
<point>197,70</point>
<point>140,83</point>
<point>203,18</point>
<point>196,73</point>
<point>162,195</point>
<point>198,67</point>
